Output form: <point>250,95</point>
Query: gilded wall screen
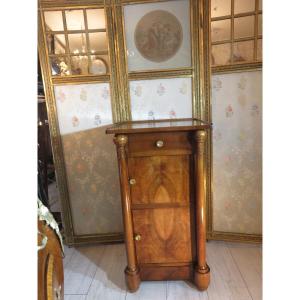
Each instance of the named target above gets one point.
<point>103,63</point>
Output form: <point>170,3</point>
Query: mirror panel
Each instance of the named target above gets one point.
<point>243,51</point>
<point>244,27</point>
<point>243,6</point>
<point>220,8</point>
<point>54,20</point>
<point>220,54</point>
<point>96,18</point>
<point>220,30</point>
<point>75,19</point>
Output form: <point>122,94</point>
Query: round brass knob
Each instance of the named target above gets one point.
<point>132,181</point>
<point>137,237</point>
<point>159,144</point>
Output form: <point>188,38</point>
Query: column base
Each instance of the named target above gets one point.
<point>202,278</point>
<point>132,279</point>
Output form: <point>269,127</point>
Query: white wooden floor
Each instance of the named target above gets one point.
<point>96,272</point>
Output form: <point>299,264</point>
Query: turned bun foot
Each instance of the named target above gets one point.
<point>133,279</point>
<point>202,278</point>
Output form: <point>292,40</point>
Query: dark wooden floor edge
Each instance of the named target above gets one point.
<point>235,237</point>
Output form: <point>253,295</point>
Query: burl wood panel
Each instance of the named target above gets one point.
<point>165,235</point>
<point>160,179</point>
<point>158,272</point>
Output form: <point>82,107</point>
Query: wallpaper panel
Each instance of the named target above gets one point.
<point>161,99</point>
<point>237,152</point>
<point>83,106</point>
<point>90,158</point>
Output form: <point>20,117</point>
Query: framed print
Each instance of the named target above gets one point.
<point>158,35</point>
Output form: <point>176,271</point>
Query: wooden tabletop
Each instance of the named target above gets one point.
<point>157,126</point>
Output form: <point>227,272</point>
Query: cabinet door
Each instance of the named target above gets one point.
<point>161,208</point>
<point>160,180</point>
<point>165,235</point>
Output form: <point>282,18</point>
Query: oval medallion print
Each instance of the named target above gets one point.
<point>158,35</point>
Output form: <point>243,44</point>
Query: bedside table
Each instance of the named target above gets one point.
<point>162,177</point>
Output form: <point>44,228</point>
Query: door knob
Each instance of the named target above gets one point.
<point>137,237</point>
<point>132,181</point>
<point>159,144</point>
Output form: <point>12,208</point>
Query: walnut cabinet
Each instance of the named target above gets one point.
<point>162,177</point>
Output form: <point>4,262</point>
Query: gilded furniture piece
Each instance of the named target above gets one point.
<point>163,190</point>
<point>50,254</point>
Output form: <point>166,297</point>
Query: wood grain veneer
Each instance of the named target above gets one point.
<point>162,177</point>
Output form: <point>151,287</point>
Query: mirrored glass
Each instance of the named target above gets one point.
<point>99,64</point>
<point>220,54</point>
<point>96,18</point>
<point>242,6</point>
<point>244,27</point>
<point>59,66</point>
<point>220,8</point>
<point>220,30</point>
<point>243,51</point>
<point>56,43</point>
<point>53,20</point>
<point>98,41</point>
<point>77,43</point>
<point>80,65</point>
<point>75,19</point>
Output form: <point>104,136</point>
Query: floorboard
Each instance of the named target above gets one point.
<point>96,272</point>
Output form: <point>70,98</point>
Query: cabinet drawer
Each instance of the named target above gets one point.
<point>159,180</point>
<point>164,235</point>
<point>161,143</point>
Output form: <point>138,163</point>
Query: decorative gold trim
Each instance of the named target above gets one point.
<point>242,67</point>
<point>114,85</point>
<point>121,58</point>
<point>129,2</point>
<point>66,4</point>
<point>80,79</point>
<point>206,108</point>
<point>157,74</point>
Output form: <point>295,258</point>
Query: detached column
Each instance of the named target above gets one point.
<point>202,271</point>
<point>131,271</point>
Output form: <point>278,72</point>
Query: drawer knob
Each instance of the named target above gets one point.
<point>137,237</point>
<point>159,144</point>
<point>132,181</point>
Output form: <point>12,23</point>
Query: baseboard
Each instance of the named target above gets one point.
<point>94,239</point>
<point>234,237</point>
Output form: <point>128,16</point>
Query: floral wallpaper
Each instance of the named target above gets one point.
<point>84,111</point>
<point>84,106</point>
<point>161,99</point>
<point>237,152</point>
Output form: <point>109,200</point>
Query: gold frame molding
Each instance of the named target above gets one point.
<point>119,77</point>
